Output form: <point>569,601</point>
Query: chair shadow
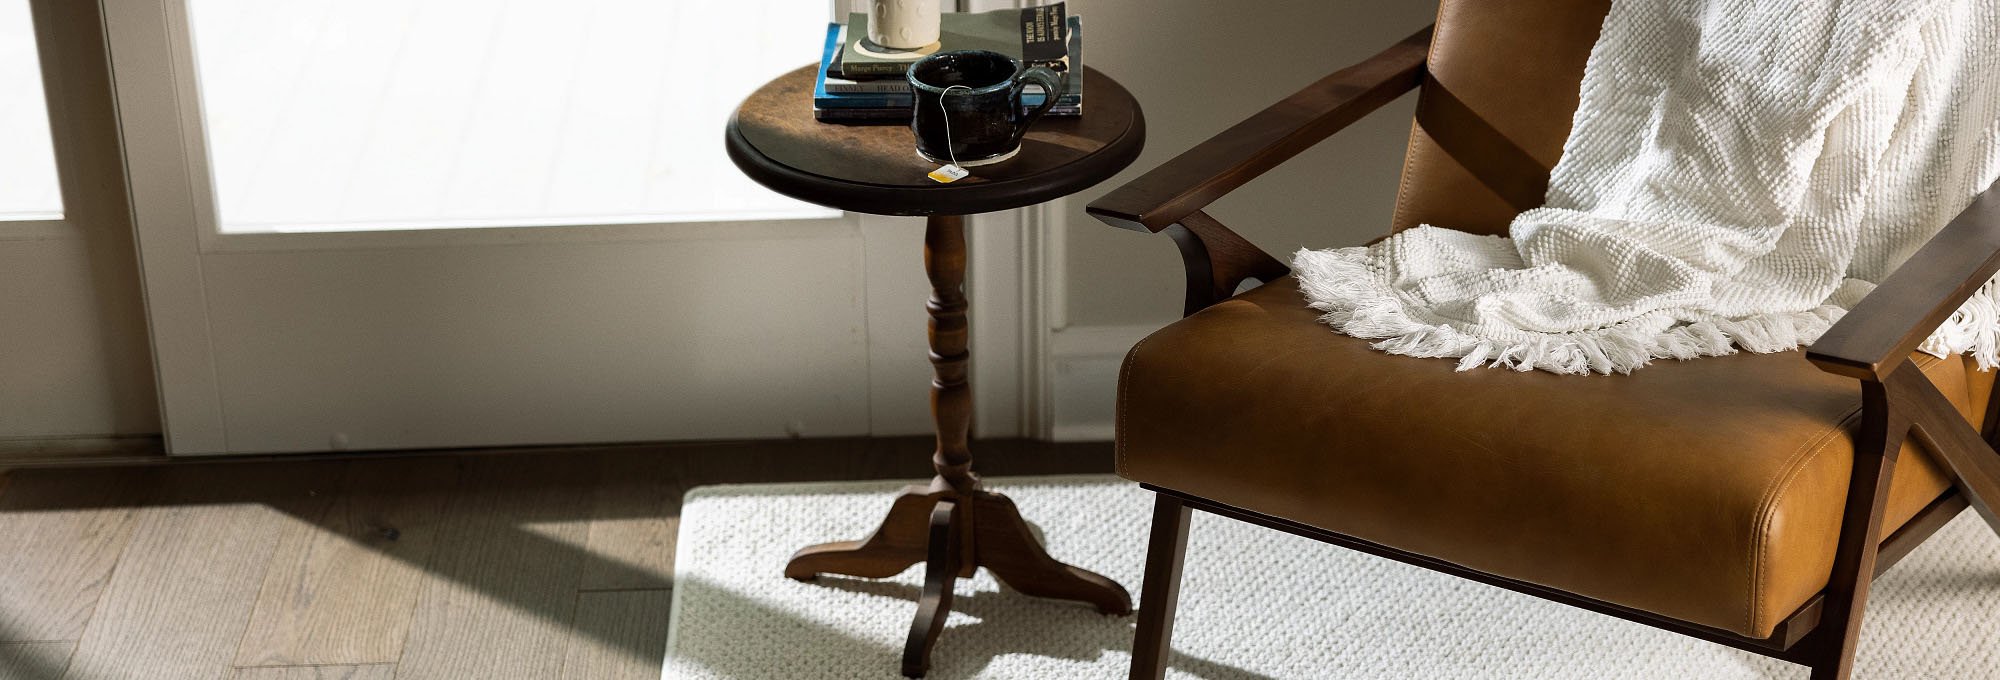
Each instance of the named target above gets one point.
<point>1067,631</point>
<point>1083,633</point>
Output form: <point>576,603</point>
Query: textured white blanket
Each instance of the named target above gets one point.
<point>1739,173</point>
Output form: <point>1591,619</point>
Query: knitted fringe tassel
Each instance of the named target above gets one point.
<point>1357,302</point>
<point>1973,330</point>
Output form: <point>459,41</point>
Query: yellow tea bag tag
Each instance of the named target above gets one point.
<point>949,173</point>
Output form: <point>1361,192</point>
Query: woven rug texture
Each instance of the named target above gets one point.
<point>1255,603</point>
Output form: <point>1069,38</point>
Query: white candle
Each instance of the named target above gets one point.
<point>903,24</point>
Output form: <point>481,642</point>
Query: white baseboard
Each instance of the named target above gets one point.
<point>1083,377</point>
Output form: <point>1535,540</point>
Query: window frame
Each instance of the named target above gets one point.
<point>52,64</point>
<point>56,68</point>
<point>196,172</point>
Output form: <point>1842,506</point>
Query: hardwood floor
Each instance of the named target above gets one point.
<point>550,563</point>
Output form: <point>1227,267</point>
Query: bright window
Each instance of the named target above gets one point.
<point>385,114</point>
<point>28,186</point>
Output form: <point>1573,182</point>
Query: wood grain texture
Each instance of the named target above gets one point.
<point>875,169</point>
<point>506,572</point>
<point>941,569</point>
<point>364,672</point>
<point>34,660</point>
<point>181,595</point>
<point>1876,447</point>
<point>342,589</point>
<point>620,635</point>
<point>1973,463</point>
<point>1217,261</point>
<point>634,517</point>
<point>953,524</point>
<point>951,391</point>
<point>212,545</point>
<point>1006,545</point>
<point>60,537</point>
<point>1166,553</point>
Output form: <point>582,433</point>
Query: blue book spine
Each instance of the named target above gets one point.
<point>824,100</point>
<point>826,61</point>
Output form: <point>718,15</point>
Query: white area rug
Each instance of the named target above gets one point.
<point>1255,603</point>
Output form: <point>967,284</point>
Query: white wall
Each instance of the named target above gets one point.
<point>1197,67</point>
<point>73,359</point>
<point>780,331</point>
<point>73,352</point>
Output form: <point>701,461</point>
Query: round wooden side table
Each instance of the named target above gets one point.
<point>951,524</point>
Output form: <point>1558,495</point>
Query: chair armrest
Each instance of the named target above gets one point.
<point>1871,341</point>
<point>1197,177</point>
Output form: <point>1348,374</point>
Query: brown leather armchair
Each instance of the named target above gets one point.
<point>1747,500</point>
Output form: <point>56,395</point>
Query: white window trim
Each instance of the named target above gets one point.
<point>1015,255</point>
<point>174,62</point>
<point>54,64</point>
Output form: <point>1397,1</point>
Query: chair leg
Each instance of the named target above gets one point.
<point>1835,658</point>
<point>1164,554</point>
<point>1876,447</point>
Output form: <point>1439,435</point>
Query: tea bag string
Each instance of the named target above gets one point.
<point>949,151</point>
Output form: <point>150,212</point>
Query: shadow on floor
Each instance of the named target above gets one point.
<point>1076,632</point>
<point>302,488</point>
<point>1063,631</point>
<point>31,661</point>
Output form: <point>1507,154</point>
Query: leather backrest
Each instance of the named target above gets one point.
<point>1494,110</point>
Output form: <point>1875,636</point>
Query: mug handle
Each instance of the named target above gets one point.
<point>1052,83</point>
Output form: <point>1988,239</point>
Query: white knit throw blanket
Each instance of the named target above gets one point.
<point>1739,172</point>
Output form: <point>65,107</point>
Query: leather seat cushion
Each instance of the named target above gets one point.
<point>1709,491</point>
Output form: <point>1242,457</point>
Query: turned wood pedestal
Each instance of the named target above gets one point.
<point>951,525</point>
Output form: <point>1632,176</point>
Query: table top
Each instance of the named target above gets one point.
<point>874,168</point>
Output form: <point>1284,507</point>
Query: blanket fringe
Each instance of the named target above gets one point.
<point>1356,301</point>
<point>1973,330</point>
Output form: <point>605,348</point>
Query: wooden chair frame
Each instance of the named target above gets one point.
<point>1872,344</point>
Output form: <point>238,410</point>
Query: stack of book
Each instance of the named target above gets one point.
<point>859,81</point>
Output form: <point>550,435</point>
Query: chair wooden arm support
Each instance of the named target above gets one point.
<point>1879,334</point>
<point>1218,261</point>
<point>1189,182</point>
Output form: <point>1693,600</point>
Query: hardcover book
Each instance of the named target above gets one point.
<point>1034,34</point>
<point>839,83</point>
<point>890,98</point>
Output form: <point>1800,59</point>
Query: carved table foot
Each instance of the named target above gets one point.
<point>955,533</point>
<point>902,540</point>
<point>1004,545</point>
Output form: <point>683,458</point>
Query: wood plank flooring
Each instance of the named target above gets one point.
<point>34,660</point>
<point>549,563</point>
<point>184,587</point>
<point>49,594</point>
<point>366,672</point>
<point>613,624</point>
<point>342,589</point>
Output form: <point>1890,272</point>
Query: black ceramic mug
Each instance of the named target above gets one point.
<point>968,105</point>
